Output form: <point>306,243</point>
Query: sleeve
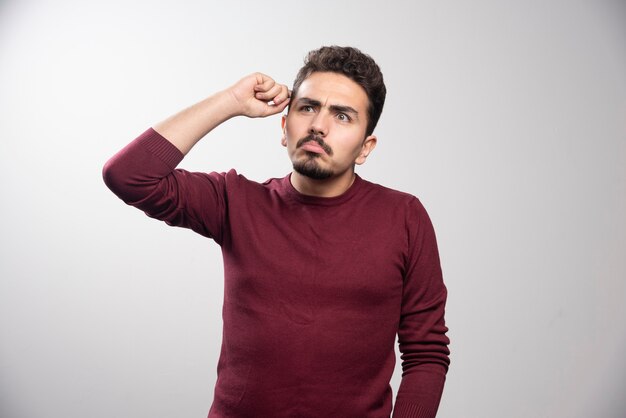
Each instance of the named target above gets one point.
<point>422,330</point>
<point>143,175</point>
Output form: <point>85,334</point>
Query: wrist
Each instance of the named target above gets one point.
<point>226,104</point>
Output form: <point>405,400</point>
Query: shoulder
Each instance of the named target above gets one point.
<point>232,176</point>
<point>401,209</point>
<point>233,180</point>
<point>392,197</point>
<point>239,188</point>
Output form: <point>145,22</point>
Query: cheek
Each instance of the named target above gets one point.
<point>294,132</point>
<point>290,140</point>
<point>288,131</point>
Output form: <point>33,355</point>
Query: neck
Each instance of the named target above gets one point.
<point>331,187</point>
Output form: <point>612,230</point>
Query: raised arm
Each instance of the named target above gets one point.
<point>256,95</point>
<point>143,173</point>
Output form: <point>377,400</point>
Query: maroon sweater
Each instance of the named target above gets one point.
<point>315,288</point>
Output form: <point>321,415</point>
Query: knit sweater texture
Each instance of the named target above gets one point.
<point>315,291</point>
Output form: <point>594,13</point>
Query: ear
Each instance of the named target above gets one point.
<point>283,125</point>
<point>368,146</point>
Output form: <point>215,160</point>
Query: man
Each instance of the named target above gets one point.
<point>322,268</point>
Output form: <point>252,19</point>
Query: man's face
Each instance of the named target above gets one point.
<point>324,131</point>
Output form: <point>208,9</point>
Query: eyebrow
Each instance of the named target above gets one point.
<point>333,108</point>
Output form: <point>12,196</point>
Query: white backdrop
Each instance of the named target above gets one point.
<point>507,119</point>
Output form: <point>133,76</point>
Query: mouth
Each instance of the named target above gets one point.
<point>315,145</point>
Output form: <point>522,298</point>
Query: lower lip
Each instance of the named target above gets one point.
<point>313,147</point>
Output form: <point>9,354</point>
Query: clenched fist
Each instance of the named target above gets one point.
<point>258,95</point>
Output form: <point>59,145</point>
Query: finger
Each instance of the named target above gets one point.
<point>283,95</point>
<point>276,108</point>
<point>269,94</point>
<point>263,83</point>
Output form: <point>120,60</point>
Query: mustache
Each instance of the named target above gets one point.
<point>328,150</point>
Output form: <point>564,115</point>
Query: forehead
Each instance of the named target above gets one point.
<point>334,89</point>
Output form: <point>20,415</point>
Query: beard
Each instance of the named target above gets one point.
<point>310,168</point>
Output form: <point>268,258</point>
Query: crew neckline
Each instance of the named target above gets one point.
<point>321,201</point>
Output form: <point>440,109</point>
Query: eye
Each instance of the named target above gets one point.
<point>307,108</point>
<point>343,117</point>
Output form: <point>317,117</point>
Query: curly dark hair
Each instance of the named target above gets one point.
<point>354,64</point>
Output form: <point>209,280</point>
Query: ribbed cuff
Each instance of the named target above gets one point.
<point>411,410</point>
<point>161,147</point>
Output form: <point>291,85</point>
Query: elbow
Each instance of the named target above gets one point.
<point>110,175</point>
<point>122,176</point>
<point>116,178</point>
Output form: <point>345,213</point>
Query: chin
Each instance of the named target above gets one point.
<point>311,169</point>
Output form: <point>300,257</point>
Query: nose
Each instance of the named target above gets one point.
<point>319,125</point>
